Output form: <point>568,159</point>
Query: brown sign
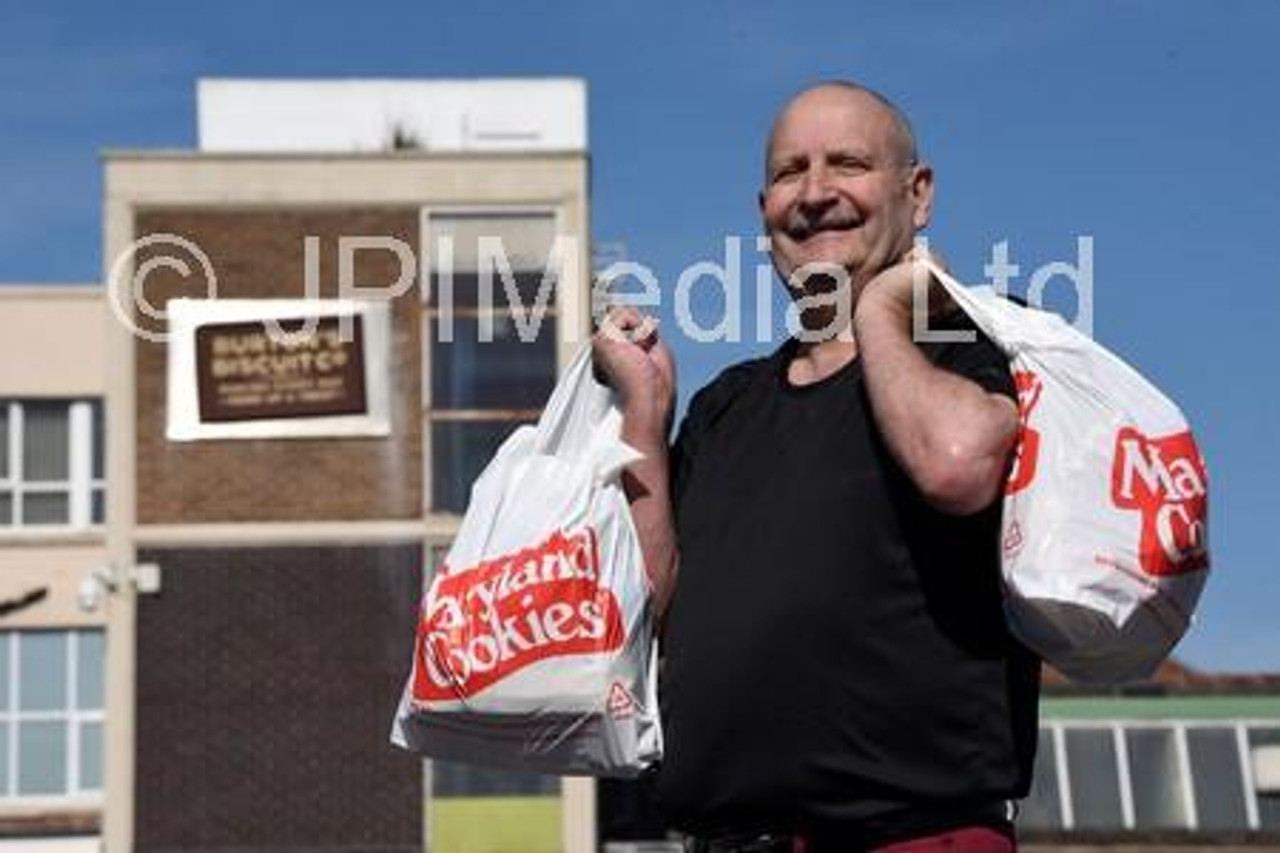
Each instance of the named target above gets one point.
<point>243,372</point>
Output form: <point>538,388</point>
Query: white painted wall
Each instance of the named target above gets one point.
<point>333,116</point>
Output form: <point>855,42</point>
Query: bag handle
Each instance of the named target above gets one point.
<point>582,423</point>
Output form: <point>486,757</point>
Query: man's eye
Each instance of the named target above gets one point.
<point>784,173</point>
<point>851,165</point>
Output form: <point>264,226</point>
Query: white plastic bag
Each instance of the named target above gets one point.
<point>535,644</point>
<point>1105,531</point>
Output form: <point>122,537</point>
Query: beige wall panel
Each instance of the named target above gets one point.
<point>59,568</point>
<point>51,341</point>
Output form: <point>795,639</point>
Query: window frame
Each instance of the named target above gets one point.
<point>432,414</point>
<point>74,718</point>
<point>1178,730</point>
<point>81,484</point>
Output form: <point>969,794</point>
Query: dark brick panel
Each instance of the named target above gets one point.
<point>267,679</point>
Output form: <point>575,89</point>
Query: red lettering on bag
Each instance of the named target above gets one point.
<point>488,621</point>
<point>1027,455</point>
<point>1164,479</point>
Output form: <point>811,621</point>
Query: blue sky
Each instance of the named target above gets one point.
<point>1149,127</point>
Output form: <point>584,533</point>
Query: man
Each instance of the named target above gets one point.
<point>837,674</point>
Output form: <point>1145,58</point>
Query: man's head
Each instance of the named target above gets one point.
<point>843,184</point>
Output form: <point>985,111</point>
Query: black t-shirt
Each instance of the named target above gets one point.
<point>836,648</point>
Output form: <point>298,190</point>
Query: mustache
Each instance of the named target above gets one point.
<point>801,228</point>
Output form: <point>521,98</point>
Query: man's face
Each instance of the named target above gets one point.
<point>840,188</point>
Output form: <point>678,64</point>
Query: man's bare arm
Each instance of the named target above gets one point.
<point>951,436</point>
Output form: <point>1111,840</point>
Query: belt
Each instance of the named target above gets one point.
<point>849,836</point>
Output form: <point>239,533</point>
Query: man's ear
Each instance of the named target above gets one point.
<point>921,189</point>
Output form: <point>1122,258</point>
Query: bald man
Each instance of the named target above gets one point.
<point>823,534</point>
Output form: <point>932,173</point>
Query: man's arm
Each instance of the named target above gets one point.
<point>640,369</point>
<point>950,435</point>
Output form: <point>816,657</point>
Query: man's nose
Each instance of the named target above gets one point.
<point>817,192</point>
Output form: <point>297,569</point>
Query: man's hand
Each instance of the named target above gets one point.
<point>894,290</point>
<point>638,366</point>
<point>631,359</point>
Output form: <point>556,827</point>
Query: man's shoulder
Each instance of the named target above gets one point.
<point>732,381</point>
<point>710,402</point>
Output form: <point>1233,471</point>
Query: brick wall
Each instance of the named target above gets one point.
<point>267,682</point>
<point>259,254</point>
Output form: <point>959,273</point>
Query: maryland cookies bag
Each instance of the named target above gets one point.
<point>534,646</point>
<point>1105,530</point>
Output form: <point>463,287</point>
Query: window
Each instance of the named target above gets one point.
<point>1268,806</point>
<point>51,699</point>
<point>51,463</point>
<point>490,333</point>
<point>1095,786</point>
<point>1042,808</point>
<point>1155,774</point>
<point>1217,778</point>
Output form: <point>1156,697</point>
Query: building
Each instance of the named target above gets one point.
<point>239,603</point>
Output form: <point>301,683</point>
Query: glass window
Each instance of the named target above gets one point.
<point>1156,778</point>
<point>468,242</point>
<point>42,671</point>
<point>50,740</point>
<point>490,325</point>
<point>1268,805</point>
<point>46,442</point>
<point>90,659</point>
<point>1042,809</point>
<point>46,508</point>
<point>1216,778</point>
<point>455,779</point>
<point>99,440</point>
<point>460,450</point>
<point>4,673</point>
<point>1095,783</point>
<point>4,440</point>
<point>91,756</point>
<point>42,758</point>
<point>504,372</point>
<point>42,487</point>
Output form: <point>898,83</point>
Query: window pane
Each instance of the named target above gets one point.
<point>6,507</point>
<point>454,779</point>
<point>98,500</point>
<point>1215,775</point>
<point>45,441</point>
<point>475,239</point>
<point>460,450</point>
<point>1095,785</point>
<point>42,758</point>
<point>505,372</point>
<point>90,665</point>
<point>1156,779</point>
<point>1042,807</point>
<point>43,671</point>
<point>518,294</point>
<point>91,757</point>
<point>46,508</point>
<point>4,674</point>
<point>5,789</point>
<point>99,439</point>
<point>4,439</point>
<point>1268,806</point>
